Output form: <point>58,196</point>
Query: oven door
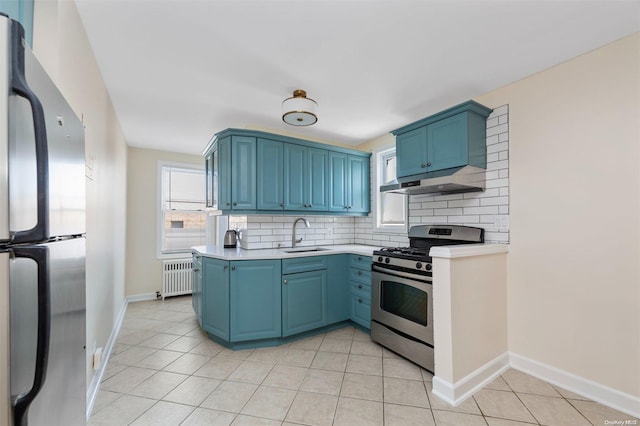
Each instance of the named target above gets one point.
<point>402,303</point>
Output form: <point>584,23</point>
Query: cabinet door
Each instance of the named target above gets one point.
<point>270,175</point>
<point>338,296</point>
<point>215,297</point>
<point>224,173</point>
<point>411,152</point>
<point>208,179</point>
<point>196,283</point>
<point>318,180</point>
<point>243,173</point>
<point>358,174</point>
<point>447,143</point>
<point>295,176</point>
<point>255,300</point>
<point>338,182</point>
<point>304,299</point>
<point>361,310</point>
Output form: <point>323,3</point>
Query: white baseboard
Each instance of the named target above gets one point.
<point>142,297</point>
<point>605,395</point>
<point>92,392</point>
<point>455,393</point>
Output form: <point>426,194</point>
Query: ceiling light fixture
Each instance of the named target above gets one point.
<point>299,110</point>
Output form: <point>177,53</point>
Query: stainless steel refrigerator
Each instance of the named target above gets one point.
<point>42,244</point>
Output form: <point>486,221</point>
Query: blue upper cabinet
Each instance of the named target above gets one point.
<point>270,185</point>
<point>305,178</point>
<point>411,152</point>
<point>348,183</point>
<point>236,161</point>
<point>243,173</point>
<point>224,173</point>
<point>21,11</point>
<point>256,172</point>
<point>452,138</point>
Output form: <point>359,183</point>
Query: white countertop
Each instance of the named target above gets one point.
<point>468,250</point>
<point>219,252</point>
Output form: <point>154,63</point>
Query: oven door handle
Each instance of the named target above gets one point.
<point>401,274</point>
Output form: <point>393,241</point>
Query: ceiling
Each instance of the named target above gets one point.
<point>179,71</point>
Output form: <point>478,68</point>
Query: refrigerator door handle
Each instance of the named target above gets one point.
<point>40,231</point>
<point>21,402</point>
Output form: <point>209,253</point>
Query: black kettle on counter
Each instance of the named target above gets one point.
<point>231,239</point>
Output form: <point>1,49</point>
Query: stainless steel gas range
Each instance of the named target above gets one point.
<point>401,286</point>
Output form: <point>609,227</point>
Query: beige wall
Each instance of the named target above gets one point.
<point>62,47</point>
<point>573,264</point>
<point>144,269</point>
<point>470,314</point>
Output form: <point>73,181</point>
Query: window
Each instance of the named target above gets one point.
<point>182,202</point>
<point>391,209</point>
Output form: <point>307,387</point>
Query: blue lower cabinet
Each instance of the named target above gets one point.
<point>360,289</point>
<point>215,297</point>
<point>255,300</point>
<point>361,310</point>
<point>196,283</point>
<point>304,300</point>
<point>338,304</point>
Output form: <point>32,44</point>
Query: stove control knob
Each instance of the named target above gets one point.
<point>387,260</point>
<point>380,259</point>
<point>428,267</point>
<point>419,265</point>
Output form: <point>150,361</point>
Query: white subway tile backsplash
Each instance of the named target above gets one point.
<point>474,208</point>
<point>496,130</point>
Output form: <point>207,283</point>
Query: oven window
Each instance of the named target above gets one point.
<point>404,301</point>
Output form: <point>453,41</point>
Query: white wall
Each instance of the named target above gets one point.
<point>573,263</point>
<point>144,269</point>
<point>61,45</point>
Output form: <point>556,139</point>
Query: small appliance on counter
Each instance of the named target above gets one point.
<point>230,239</point>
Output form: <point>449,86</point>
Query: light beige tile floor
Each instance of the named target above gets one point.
<point>165,371</point>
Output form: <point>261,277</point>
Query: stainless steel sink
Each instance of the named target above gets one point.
<point>305,249</point>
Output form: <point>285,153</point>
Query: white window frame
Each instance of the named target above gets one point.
<point>159,207</point>
<point>380,156</point>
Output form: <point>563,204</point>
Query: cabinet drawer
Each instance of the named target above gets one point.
<point>360,261</point>
<point>303,264</point>
<point>360,275</point>
<point>360,290</point>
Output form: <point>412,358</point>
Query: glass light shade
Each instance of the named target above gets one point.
<point>299,110</point>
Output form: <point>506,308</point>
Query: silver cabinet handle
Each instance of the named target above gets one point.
<point>423,165</point>
<point>428,164</point>
<point>359,300</point>
<point>196,270</point>
<point>359,272</point>
<point>225,267</point>
<point>285,282</point>
<point>235,204</point>
<point>281,204</point>
<point>233,268</point>
<point>228,204</point>
<point>359,285</point>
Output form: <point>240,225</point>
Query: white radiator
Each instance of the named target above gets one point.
<point>176,277</point>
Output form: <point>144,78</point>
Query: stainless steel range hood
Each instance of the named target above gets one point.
<point>458,179</point>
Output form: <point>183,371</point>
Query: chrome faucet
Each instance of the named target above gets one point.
<point>293,231</point>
